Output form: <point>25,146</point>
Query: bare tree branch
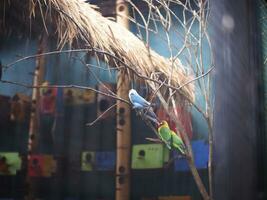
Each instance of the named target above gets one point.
<point>100,116</point>
<point>67,86</point>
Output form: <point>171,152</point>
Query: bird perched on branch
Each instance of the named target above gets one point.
<point>138,101</point>
<point>142,106</point>
<point>170,138</point>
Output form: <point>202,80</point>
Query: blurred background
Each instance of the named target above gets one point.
<point>48,150</point>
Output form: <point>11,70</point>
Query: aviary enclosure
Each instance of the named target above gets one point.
<point>128,99</point>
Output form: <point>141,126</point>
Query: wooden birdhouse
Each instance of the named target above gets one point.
<point>149,156</point>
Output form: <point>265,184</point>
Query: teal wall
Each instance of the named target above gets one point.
<point>59,69</point>
<point>12,49</point>
<point>68,69</point>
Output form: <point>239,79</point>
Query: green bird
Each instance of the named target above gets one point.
<point>170,138</point>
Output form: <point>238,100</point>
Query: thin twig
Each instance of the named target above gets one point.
<point>194,79</point>
<point>45,54</point>
<point>100,116</point>
<point>67,86</point>
<point>157,140</point>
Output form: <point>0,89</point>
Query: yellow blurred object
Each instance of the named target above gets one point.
<point>89,96</point>
<point>76,96</point>
<point>49,165</point>
<point>44,91</point>
<point>88,160</point>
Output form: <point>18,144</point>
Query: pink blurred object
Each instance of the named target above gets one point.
<point>48,100</point>
<point>35,166</point>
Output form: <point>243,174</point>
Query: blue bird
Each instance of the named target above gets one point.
<point>138,101</point>
<point>142,106</point>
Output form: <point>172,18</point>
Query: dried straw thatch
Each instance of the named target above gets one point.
<point>76,20</point>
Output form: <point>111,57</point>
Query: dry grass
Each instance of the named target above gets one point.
<point>75,20</point>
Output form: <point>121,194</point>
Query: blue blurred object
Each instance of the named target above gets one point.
<point>201,155</point>
<point>105,160</point>
<point>59,101</point>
